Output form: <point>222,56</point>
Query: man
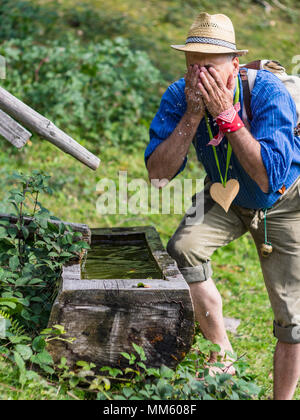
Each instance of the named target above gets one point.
<point>263,160</point>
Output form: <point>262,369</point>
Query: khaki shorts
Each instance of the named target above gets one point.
<point>192,246</point>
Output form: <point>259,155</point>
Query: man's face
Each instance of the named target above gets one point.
<point>223,65</point>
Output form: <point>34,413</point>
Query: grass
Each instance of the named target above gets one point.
<point>154,25</point>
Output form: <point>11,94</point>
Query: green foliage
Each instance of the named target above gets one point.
<point>138,382</point>
<point>17,19</point>
<point>31,259</point>
<point>32,254</point>
<point>101,91</point>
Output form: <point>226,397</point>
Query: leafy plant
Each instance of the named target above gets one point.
<point>139,382</point>
<point>32,253</point>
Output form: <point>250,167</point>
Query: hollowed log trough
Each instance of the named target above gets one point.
<point>107,315</point>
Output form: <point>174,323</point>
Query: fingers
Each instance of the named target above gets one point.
<point>196,72</point>
<point>206,80</point>
<point>192,93</point>
<point>216,95</point>
<point>203,92</point>
<point>192,75</point>
<point>195,75</point>
<point>213,72</point>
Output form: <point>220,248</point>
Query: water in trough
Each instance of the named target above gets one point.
<point>119,260</point>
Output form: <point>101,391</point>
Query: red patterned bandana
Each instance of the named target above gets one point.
<point>228,122</point>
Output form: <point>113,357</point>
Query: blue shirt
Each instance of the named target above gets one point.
<point>274,119</point>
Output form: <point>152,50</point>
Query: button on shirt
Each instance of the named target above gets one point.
<point>274,119</point>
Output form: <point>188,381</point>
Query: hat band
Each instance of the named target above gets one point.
<point>213,41</point>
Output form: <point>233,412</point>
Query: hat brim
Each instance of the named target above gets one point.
<point>208,49</point>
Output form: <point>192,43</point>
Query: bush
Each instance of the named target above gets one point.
<point>31,260</point>
<point>177,384</point>
<point>32,254</point>
<point>20,19</point>
<point>102,92</point>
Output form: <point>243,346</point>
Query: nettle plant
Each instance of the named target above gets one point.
<point>32,254</point>
<point>139,382</point>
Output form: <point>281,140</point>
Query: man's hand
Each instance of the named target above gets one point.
<point>195,104</point>
<point>216,96</point>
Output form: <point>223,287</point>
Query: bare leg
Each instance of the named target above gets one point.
<point>286,370</point>
<point>208,313</point>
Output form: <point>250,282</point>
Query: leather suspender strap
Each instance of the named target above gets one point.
<point>246,93</point>
<point>255,65</point>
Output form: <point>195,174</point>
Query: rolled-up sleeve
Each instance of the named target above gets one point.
<point>273,126</point>
<point>171,110</point>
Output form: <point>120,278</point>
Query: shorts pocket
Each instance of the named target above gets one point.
<point>291,197</point>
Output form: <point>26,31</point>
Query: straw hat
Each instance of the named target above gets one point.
<point>211,34</point>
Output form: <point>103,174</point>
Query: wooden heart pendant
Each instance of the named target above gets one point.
<point>224,195</point>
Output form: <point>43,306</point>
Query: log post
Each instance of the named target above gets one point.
<point>45,128</point>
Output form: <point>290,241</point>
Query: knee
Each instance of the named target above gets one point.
<point>172,248</point>
<point>176,248</point>
<point>184,250</point>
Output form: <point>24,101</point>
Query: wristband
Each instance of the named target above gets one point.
<point>228,122</point>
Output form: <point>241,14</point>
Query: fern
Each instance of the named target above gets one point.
<point>5,315</point>
<point>15,327</point>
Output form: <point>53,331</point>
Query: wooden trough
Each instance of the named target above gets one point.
<point>106,315</point>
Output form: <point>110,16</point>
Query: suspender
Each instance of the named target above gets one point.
<point>246,93</point>
<point>247,96</point>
